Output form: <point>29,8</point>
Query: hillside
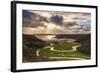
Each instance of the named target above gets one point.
<point>86,44</point>
<point>30,45</point>
<point>84,39</point>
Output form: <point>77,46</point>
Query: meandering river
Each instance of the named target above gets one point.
<point>74,48</point>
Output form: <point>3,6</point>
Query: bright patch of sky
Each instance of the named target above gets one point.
<point>85,22</point>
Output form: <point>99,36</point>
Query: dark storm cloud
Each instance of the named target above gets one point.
<point>27,14</point>
<point>82,16</point>
<point>78,18</point>
<point>34,24</point>
<point>70,24</point>
<point>86,14</point>
<point>86,27</point>
<point>27,17</point>
<point>31,19</point>
<point>57,19</point>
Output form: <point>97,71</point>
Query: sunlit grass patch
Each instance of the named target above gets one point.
<point>46,52</point>
<point>65,45</point>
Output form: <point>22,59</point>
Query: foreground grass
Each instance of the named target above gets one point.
<point>46,52</point>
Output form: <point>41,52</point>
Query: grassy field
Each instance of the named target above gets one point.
<point>48,53</point>
<point>38,50</point>
<point>65,45</point>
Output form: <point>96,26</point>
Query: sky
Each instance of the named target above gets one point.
<point>56,22</point>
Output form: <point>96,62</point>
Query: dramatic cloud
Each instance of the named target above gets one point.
<point>57,19</point>
<point>50,22</point>
<point>27,17</point>
<point>31,19</point>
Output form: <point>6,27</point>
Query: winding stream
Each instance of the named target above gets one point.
<point>74,48</point>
